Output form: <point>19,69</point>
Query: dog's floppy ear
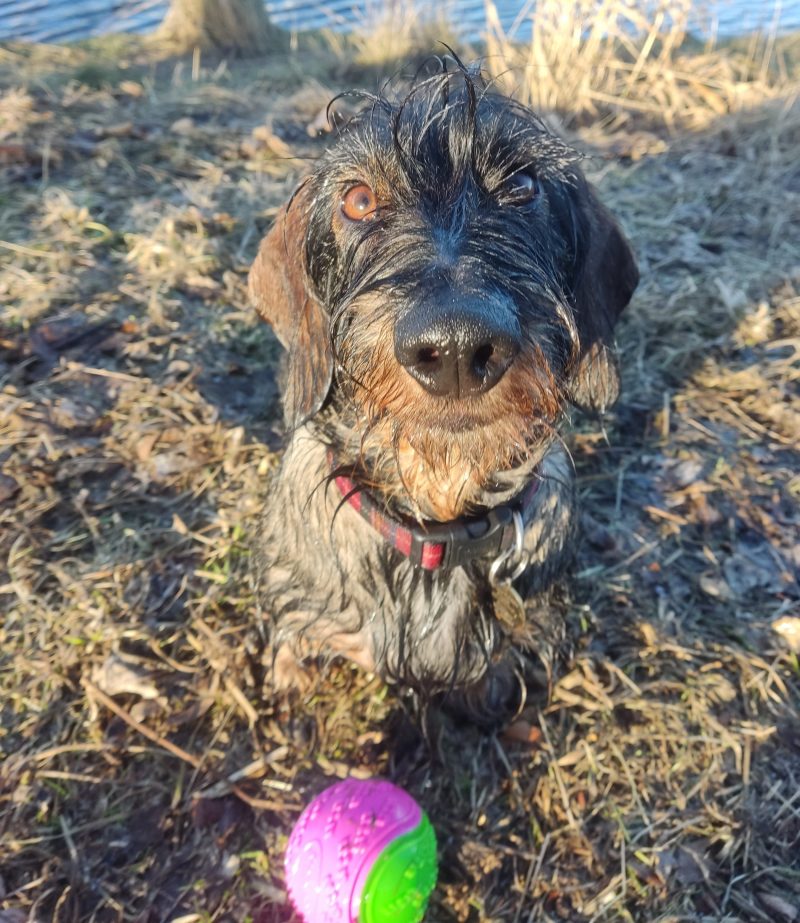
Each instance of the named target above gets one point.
<point>280,292</point>
<point>605,279</point>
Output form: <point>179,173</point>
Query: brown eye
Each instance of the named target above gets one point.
<point>520,188</point>
<point>359,203</point>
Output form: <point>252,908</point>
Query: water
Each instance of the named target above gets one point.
<point>68,20</point>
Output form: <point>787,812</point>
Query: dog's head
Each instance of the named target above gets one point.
<point>448,279</point>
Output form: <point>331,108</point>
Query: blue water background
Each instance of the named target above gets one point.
<point>67,20</point>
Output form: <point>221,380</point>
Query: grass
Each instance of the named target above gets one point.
<point>393,34</point>
<point>147,772</point>
<point>624,62</point>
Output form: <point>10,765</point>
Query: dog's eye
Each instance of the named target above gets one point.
<point>359,203</point>
<point>520,188</point>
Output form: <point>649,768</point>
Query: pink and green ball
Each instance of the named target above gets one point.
<point>363,851</point>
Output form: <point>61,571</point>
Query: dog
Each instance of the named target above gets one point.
<point>445,283</point>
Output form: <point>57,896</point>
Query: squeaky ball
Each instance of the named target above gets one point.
<point>363,851</point>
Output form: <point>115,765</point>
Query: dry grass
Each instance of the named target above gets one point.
<point>392,34</point>
<point>147,773</point>
<point>611,59</point>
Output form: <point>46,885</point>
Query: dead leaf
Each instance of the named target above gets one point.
<point>120,130</point>
<point>179,525</point>
<point>702,511</point>
<point>264,135</point>
<point>117,676</point>
<point>522,732</point>
<point>148,708</point>
<point>184,126</point>
<point>199,285</point>
<point>688,864</point>
<point>178,367</point>
<point>685,472</point>
<point>720,688</point>
<point>131,88</point>
<point>749,571</point>
<point>68,414</point>
<point>144,447</point>
<point>714,585</point>
<point>788,627</point>
<point>166,464</point>
<point>649,634</point>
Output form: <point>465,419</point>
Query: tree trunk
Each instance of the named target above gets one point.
<point>231,26</point>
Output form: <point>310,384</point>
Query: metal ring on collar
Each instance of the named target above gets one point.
<point>514,553</point>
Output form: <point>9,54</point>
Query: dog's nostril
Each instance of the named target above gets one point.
<point>481,359</point>
<point>428,355</point>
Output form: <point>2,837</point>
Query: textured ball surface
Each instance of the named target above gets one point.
<point>363,851</point>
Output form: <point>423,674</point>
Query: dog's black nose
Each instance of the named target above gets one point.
<point>457,349</point>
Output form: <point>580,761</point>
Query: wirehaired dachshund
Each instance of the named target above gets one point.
<point>445,283</point>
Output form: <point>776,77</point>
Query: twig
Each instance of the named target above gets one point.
<point>262,804</point>
<point>104,373</point>
<point>534,869</point>
<point>111,705</point>
<point>557,773</point>
<point>28,251</point>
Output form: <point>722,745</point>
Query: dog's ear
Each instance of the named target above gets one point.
<point>605,279</point>
<point>280,292</point>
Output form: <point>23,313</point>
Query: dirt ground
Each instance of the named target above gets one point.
<point>147,772</point>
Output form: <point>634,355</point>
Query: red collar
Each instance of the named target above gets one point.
<point>439,545</point>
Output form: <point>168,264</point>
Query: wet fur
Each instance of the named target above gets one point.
<point>437,160</point>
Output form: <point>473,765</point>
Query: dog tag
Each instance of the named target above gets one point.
<point>508,605</point>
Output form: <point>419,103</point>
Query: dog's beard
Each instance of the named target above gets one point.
<point>436,457</point>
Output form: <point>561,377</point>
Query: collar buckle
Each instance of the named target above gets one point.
<point>470,538</point>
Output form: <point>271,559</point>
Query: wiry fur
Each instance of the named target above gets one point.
<point>438,161</point>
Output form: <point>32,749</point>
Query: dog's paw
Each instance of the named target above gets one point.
<point>288,673</point>
<point>493,701</point>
